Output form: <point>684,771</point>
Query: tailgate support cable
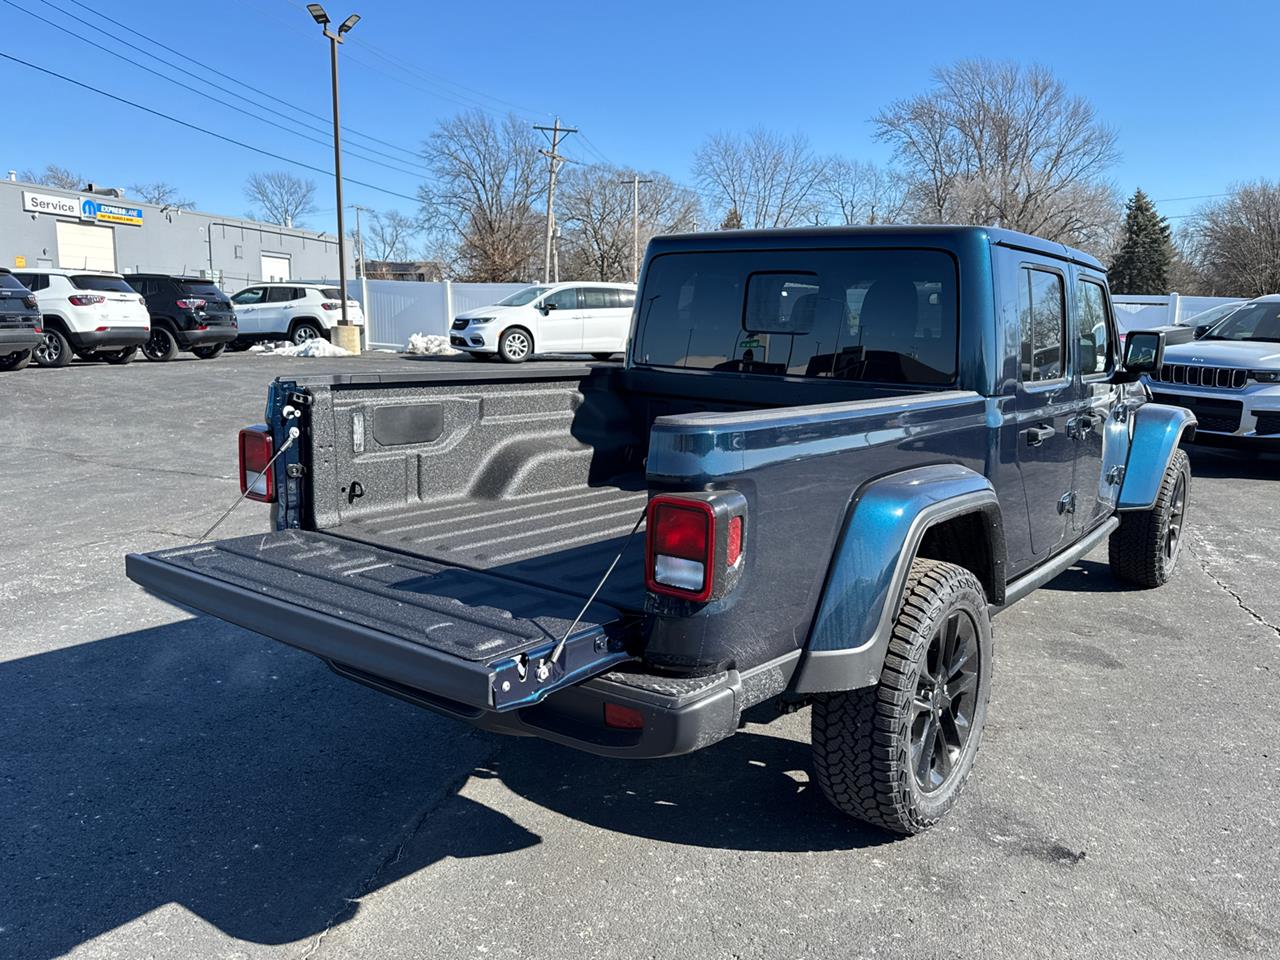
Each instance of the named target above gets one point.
<point>294,433</point>
<point>559,649</point>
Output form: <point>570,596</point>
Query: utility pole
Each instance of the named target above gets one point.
<point>557,133</point>
<point>635,182</point>
<point>364,273</point>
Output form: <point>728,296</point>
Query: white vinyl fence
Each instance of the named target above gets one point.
<point>398,308</point>
<point>1134,312</point>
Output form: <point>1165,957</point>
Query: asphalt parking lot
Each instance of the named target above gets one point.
<point>173,786</point>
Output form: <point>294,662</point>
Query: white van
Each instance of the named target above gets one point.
<point>592,318</point>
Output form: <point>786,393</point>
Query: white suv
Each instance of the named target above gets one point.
<point>592,318</point>
<point>290,311</point>
<point>93,315</point>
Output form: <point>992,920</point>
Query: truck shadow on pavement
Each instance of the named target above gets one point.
<point>199,765</point>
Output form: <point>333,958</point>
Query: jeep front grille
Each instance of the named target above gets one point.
<point>1223,378</point>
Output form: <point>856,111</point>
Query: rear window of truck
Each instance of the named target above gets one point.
<point>881,316</point>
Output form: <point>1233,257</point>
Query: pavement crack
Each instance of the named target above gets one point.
<point>1227,589</point>
<point>136,468</point>
<point>398,851</point>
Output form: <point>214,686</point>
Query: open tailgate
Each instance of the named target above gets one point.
<point>475,639</point>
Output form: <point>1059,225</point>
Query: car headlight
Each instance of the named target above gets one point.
<point>482,320</point>
<point>1266,376</point>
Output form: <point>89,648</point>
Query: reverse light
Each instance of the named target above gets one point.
<point>694,544</point>
<point>255,455</point>
<point>85,299</point>
<point>190,304</point>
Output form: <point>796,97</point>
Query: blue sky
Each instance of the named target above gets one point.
<point>1190,88</point>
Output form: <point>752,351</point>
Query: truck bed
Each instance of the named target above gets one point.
<point>561,540</point>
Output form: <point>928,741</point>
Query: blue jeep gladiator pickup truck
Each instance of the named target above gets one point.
<point>831,456</point>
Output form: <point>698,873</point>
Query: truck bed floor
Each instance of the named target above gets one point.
<point>562,539</point>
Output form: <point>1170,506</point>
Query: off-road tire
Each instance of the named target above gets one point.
<point>56,349</point>
<point>161,346</point>
<point>1145,548</point>
<point>15,361</point>
<point>863,745</point>
<point>515,345</point>
<point>209,352</point>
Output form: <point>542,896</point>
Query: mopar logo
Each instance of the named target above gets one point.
<point>88,209</point>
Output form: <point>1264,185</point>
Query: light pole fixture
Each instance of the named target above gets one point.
<point>318,14</point>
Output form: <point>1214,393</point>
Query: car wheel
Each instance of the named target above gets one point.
<point>515,345</point>
<point>15,361</point>
<point>603,356</point>
<point>162,345</point>
<point>54,351</point>
<point>1144,549</point>
<point>896,755</point>
<point>120,357</point>
<point>238,345</point>
<point>304,331</point>
<point>210,352</point>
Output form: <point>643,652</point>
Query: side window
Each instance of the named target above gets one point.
<point>249,296</point>
<point>280,294</point>
<point>1043,316</point>
<point>627,299</point>
<point>597,298</point>
<point>33,281</point>
<point>1095,331</point>
<point>566,299</point>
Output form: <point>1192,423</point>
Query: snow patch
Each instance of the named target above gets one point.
<point>430,345</point>
<point>317,347</point>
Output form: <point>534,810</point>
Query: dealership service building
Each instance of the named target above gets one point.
<point>96,230</point>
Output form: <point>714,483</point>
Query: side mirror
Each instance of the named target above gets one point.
<point>547,308</point>
<point>1143,353</point>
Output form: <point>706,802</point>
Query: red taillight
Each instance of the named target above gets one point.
<point>101,329</point>
<point>86,299</point>
<point>680,544</point>
<point>190,304</point>
<point>255,454</point>
<point>331,305</point>
<point>733,550</point>
<point>29,301</point>
<point>623,718</point>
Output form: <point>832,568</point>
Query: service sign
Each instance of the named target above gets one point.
<point>47,203</point>
<point>91,209</point>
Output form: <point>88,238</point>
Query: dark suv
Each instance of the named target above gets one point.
<point>187,313</point>
<point>20,331</point>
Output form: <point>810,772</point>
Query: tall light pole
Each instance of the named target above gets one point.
<point>322,18</point>
<point>635,182</point>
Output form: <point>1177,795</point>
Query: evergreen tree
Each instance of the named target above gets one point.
<point>1141,265</point>
<point>732,220</point>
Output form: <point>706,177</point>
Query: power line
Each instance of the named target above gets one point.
<point>199,129</point>
<point>1203,196</point>
<point>204,66</point>
<point>198,92</point>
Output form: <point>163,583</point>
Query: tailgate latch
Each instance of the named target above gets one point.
<point>526,679</point>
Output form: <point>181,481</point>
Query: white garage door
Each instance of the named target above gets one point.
<point>85,246</point>
<point>275,268</point>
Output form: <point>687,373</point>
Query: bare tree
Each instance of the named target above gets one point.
<point>161,194</point>
<point>54,176</point>
<point>387,235</point>
<point>1003,144</point>
<point>770,179</point>
<point>280,197</point>
<point>482,203</point>
<point>859,192</point>
<point>1235,243</point>
<point>595,211</point>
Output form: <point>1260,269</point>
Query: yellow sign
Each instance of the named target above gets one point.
<point>128,218</point>
<point>19,261</point>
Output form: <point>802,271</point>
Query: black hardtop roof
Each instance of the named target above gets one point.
<point>904,234</point>
<point>180,278</point>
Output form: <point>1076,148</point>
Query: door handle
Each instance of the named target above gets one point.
<point>1038,435</point>
<point>1080,426</point>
